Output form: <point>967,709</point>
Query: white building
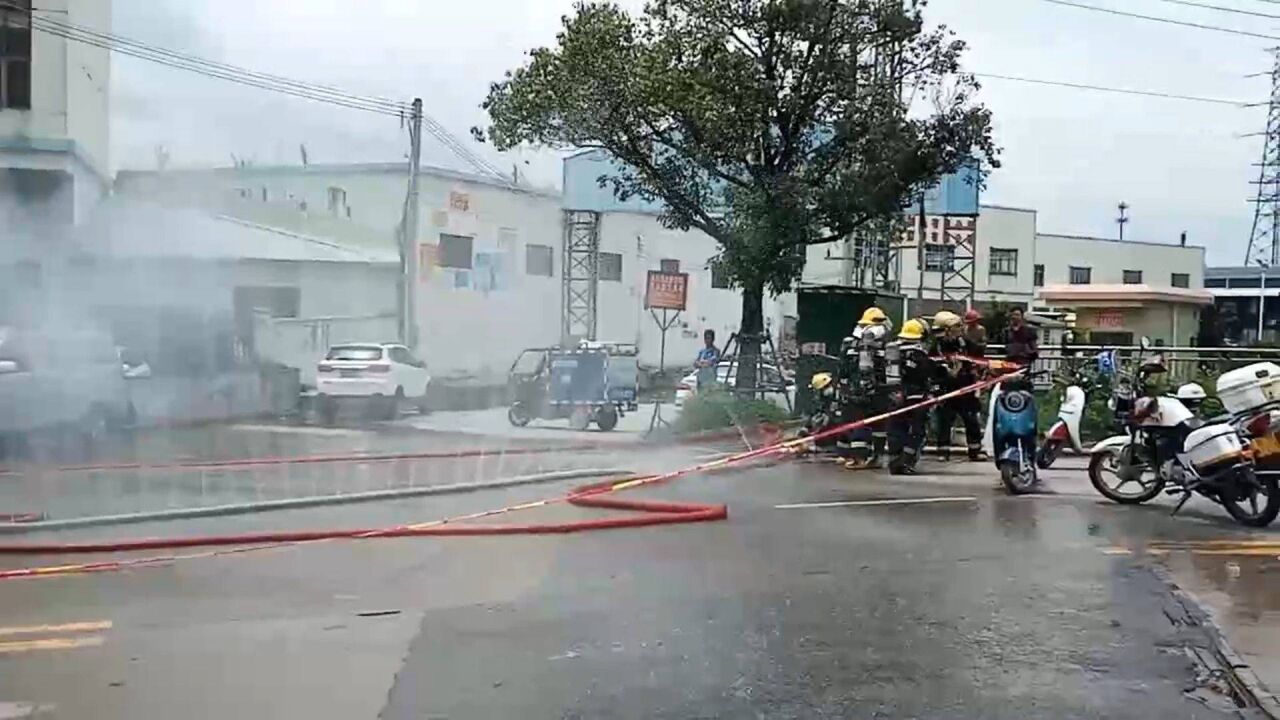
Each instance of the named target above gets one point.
<point>54,96</point>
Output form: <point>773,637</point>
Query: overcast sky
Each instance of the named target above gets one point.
<point>1071,155</point>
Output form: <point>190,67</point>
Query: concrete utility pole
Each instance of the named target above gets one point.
<point>409,240</point>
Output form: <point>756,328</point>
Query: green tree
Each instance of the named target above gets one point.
<point>769,125</point>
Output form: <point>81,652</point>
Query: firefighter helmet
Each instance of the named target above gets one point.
<point>912,330</point>
<point>945,320</point>
<point>873,315</point>
<point>821,381</point>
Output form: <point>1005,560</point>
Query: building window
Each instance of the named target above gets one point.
<point>15,54</point>
<point>609,267</point>
<point>1215,282</point>
<point>539,260</point>
<point>1004,261</point>
<point>1180,280</point>
<point>718,277</point>
<point>1246,282</point>
<point>1132,277</point>
<point>338,202</point>
<point>1037,276</point>
<point>455,251</point>
<point>1080,275</point>
<point>939,258</point>
<point>667,265</point>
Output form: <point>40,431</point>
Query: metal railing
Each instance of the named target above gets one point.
<point>1184,363</point>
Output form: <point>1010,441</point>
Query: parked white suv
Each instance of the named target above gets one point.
<point>383,373</point>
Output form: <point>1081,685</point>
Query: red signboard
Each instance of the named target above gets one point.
<point>666,291</point>
<point>1110,319</point>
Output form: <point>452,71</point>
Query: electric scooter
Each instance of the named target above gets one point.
<point>1014,430</point>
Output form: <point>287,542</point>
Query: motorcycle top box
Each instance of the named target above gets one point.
<point>1249,387</point>
<point>1213,446</point>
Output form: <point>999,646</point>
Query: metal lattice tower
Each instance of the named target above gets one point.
<point>580,279</point>
<point>1264,239</point>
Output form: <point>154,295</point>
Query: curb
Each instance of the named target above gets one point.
<point>303,502</point>
<point>1244,682</point>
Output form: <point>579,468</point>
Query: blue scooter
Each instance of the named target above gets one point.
<point>1014,434</point>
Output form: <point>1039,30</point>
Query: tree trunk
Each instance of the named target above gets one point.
<point>750,335</point>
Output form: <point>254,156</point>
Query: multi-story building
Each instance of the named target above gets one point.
<point>54,163</point>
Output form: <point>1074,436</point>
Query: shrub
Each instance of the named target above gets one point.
<point>719,408</point>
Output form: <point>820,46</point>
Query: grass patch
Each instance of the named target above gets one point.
<point>718,408</point>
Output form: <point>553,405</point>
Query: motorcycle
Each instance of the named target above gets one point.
<point>1014,430</point>
<point>1166,444</point>
<point>1066,429</point>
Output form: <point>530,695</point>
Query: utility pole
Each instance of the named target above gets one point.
<point>1264,237</point>
<point>409,238</point>
<point>920,254</point>
<point>1123,219</point>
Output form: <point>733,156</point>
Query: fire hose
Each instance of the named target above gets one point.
<point>655,512</point>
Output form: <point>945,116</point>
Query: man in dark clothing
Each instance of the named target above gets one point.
<point>1021,345</point>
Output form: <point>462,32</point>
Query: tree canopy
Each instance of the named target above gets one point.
<point>769,125</point>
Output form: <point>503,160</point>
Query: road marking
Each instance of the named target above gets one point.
<point>890,501</point>
<point>20,646</point>
<point>75,627</point>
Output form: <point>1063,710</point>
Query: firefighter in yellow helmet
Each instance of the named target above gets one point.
<point>863,371</point>
<point>954,371</point>
<point>915,376</point>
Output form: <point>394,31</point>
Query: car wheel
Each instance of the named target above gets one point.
<point>607,418</point>
<point>390,410</point>
<point>423,406</point>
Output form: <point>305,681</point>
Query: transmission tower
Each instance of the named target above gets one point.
<point>1264,239</point>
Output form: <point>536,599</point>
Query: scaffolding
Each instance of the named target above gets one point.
<point>580,280</point>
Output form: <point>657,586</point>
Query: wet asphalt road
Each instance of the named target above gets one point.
<point>979,605</point>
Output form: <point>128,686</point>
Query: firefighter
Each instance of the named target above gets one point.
<point>954,371</point>
<point>867,393</point>
<point>975,335</point>
<point>915,375</point>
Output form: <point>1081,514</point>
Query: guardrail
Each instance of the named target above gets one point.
<point>1184,363</point>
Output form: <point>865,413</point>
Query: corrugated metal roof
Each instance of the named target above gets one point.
<point>127,229</point>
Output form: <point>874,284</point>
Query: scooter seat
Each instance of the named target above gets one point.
<point>1194,423</point>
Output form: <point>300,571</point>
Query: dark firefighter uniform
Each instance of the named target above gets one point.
<point>915,375</point>
<point>953,373</point>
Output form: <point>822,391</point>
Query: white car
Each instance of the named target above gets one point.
<point>383,373</point>
<point>778,388</point>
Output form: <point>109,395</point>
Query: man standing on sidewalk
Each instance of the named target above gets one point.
<point>707,361</point>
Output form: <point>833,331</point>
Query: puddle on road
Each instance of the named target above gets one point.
<point>1241,594</point>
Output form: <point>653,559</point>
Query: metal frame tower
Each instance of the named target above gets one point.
<point>1264,239</point>
<point>580,279</point>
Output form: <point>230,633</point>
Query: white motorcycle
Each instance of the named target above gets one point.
<point>1066,430</point>
<point>1167,444</point>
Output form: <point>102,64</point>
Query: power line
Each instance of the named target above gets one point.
<point>1122,91</point>
<point>251,78</point>
<point>1169,21</point>
<point>1220,8</point>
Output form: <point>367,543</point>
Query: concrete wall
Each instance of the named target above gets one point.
<point>1170,324</point>
<point>1110,258</point>
<point>88,86</point>
<point>643,244</point>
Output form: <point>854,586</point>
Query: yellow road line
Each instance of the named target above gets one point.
<point>75,627</point>
<point>20,646</point>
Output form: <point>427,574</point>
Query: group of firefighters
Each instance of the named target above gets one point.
<point>879,373</point>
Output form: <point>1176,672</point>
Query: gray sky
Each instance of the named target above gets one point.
<point>1070,154</point>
